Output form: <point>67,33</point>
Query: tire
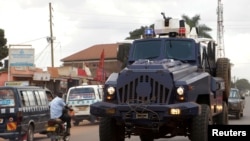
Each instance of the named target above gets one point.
<point>30,133</point>
<point>222,118</point>
<point>52,139</point>
<point>67,138</point>
<point>241,114</point>
<point>145,137</point>
<point>92,119</point>
<point>56,134</point>
<point>199,125</point>
<point>76,122</point>
<point>223,70</point>
<point>110,131</point>
<point>237,115</point>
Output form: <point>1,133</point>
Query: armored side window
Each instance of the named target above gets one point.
<point>203,56</point>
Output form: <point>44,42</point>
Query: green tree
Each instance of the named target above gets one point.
<point>3,48</point>
<point>194,22</point>
<point>137,33</point>
<point>242,84</point>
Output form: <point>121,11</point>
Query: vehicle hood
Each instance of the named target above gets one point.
<point>178,69</point>
<point>233,100</point>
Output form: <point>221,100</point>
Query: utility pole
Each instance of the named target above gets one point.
<point>51,35</point>
<point>220,30</point>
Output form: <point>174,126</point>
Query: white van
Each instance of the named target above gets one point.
<point>80,98</point>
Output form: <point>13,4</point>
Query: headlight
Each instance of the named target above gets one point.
<point>180,91</point>
<point>110,90</point>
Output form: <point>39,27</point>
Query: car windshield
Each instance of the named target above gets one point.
<point>82,93</point>
<point>7,98</point>
<point>234,94</point>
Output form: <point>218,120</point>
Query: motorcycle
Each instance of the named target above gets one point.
<point>56,128</point>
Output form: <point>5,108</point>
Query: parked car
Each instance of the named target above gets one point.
<point>236,103</point>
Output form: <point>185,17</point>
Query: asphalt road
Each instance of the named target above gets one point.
<point>89,132</point>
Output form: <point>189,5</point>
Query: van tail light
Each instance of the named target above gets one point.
<point>11,124</point>
<point>19,117</point>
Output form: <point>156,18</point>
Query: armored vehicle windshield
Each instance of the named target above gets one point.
<point>177,49</point>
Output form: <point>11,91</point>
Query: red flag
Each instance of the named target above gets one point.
<point>101,63</point>
<point>100,74</point>
<point>81,72</point>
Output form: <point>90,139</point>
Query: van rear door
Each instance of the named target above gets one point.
<point>8,111</point>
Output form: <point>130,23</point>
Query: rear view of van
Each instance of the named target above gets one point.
<point>80,98</point>
<point>24,111</point>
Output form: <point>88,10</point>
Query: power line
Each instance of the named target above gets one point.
<point>37,57</point>
<point>33,40</point>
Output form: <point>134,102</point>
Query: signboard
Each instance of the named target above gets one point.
<point>16,83</point>
<point>41,76</point>
<point>21,56</point>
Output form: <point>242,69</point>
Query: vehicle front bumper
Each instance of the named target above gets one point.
<point>234,107</point>
<point>104,109</point>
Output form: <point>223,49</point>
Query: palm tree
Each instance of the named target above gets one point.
<point>194,22</point>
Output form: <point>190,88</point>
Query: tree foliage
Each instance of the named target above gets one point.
<point>137,33</point>
<point>242,84</point>
<point>194,22</point>
<point>191,21</point>
<point>3,47</point>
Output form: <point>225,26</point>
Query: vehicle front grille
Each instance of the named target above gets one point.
<point>144,88</point>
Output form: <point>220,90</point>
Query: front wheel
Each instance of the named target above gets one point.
<point>110,131</point>
<point>237,115</point>
<point>146,137</point>
<point>199,126</point>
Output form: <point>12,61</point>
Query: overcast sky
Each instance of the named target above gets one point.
<point>79,24</point>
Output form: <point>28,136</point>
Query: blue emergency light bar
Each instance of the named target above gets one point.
<point>149,32</point>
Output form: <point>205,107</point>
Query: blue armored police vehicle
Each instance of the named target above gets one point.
<point>174,84</point>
